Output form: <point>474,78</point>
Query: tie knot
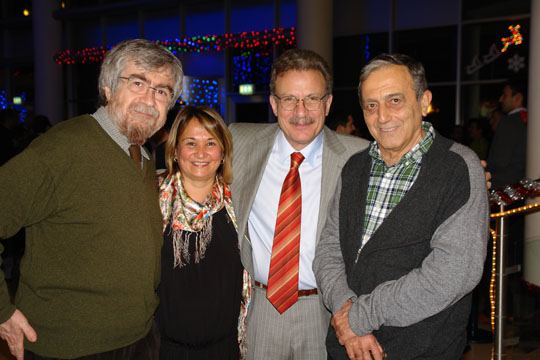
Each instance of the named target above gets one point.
<point>296,160</point>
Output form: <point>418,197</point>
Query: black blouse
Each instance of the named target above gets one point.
<point>200,302</point>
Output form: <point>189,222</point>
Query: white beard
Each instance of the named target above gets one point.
<point>136,128</point>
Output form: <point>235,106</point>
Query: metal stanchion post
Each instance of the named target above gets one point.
<point>503,271</point>
<point>500,307</point>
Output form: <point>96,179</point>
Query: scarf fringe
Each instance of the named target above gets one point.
<point>182,239</point>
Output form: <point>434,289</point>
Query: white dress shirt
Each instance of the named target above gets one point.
<point>263,215</point>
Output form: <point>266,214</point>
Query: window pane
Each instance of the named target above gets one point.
<point>481,9</point>
<point>19,42</point>
<point>120,28</point>
<point>482,56</point>
<point>162,25</point>
<point>287,14</point>
<point>205,19</point>
<point>85,33</point>
<point>361,17</point>
<point>353,52</point>
<point>418,13</point>
<point>250,15</point>
<point>435,48</point>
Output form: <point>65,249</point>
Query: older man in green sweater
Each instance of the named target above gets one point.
<point>93,226</point>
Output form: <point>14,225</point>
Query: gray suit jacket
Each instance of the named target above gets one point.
<point>252,146</point>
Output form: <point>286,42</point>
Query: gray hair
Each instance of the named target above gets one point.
<point>300,60</point>
<point>143,53</point>
<point>415,68</point>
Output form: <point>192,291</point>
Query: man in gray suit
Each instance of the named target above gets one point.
<point>301,95</point>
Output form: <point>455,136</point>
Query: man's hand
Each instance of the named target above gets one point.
<point>358,347</point>
<point>13,332</point>
<point>364,348</point>
<point>488,174</point>
<point>340,323</point>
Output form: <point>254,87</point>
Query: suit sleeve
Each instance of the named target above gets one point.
<point>451,270</point>
<point>328,265</point>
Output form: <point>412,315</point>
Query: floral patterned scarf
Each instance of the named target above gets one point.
<point>189,218</point>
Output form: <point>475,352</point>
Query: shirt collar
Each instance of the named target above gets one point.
<point>102,117</point>
<point>415,153</point>
<point>516,110</point>
<point>310,152</point>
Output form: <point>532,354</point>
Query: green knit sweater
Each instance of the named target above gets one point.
<point>93,240</point>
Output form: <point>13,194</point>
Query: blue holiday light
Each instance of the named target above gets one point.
<point>198,91</point>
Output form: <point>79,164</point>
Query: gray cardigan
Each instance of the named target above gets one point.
<point>412,279</point>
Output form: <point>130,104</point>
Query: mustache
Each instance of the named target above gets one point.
<point>303,120</point>
<point>144,109</point>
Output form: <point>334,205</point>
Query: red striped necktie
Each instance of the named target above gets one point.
<point>282,289</point>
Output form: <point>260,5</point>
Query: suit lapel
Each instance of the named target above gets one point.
<point>252,162</point>
<point>332,164</point>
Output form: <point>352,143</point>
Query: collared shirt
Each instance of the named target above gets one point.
<point>516,110</point>
<point>389,184</point>
<point>102,117</point>
<point>262,219</point>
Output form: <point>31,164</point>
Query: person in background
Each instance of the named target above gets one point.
<point>341,123</point>
<point>507,154</point>
<point>458,134</point>
<point>13,136</point>
<point>478,143</point>
<point>204,291</point>
<point>158,142</point>
<point>86,193</point>
<point>494,118</point>
<point>405,239</point>
<point>507,164</point>
<point>40,125</point>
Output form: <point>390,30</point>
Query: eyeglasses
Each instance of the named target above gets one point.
<point>311,103</point>
<point>140,87</point>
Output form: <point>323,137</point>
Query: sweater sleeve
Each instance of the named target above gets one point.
<point>450,271</point>
<point>26,198</point>
<point>328,265</point>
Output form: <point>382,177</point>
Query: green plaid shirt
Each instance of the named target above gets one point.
<point>388,185</point>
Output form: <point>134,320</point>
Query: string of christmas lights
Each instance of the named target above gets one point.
<point>247,42</point>
<point>3,100</point>
<point>198,91</point>
<point>71,57</point>
<point>493,280</point>
<point>251,69</point>
<point>514,192</point>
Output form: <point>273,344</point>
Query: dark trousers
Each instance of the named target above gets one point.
<point>146,348</point>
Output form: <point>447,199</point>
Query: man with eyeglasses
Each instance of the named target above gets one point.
<point>85,192</point>
<point>280,217</point>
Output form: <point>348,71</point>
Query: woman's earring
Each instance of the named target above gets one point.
<point>175,159</point>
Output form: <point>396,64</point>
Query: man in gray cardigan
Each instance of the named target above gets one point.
<point>405,238</point>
